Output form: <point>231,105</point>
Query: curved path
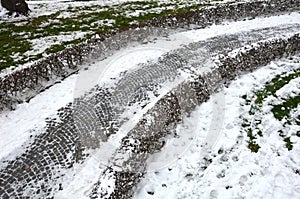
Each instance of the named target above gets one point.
<point>164,90</point>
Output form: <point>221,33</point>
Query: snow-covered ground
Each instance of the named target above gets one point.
<point>225,169</point>
<point>46,7</point>
<point>233,171</point>
<point>48,25</point>
<point>63,93</point>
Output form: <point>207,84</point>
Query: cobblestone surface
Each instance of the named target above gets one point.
<point>38,170</point>
<point>129,162</point>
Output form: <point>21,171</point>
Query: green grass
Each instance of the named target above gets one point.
<point>283,110</point>
<point>275,84</point>
<point>15,36</point>
<point>253,146</point>
<point>280,111</point>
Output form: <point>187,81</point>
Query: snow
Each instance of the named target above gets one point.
<point>240,26</point>
<point>20,122</point>
<point>289,90</point>
<point>41,44</point>
<point>176,147</point>
<point>245,174</point>
<point>28,118</point>
<point>48,7</point>
<point>203,134</point>
<point>177,39</point>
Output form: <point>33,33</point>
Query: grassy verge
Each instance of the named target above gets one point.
<point>280,111</point>
<point>19,38</point>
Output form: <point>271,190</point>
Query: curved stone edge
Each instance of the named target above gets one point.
<point>137,145</point>
<point>46,157</point>
<point>24,84</point>
<point>63,144</point>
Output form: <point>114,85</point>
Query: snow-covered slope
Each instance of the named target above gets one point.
<point>229,169</point>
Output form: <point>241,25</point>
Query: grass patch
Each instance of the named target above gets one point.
<point>283,110</point>
<point>280,111</point>
<point>275,84</point>
<point>16,37</point>
<point>253,146</point>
